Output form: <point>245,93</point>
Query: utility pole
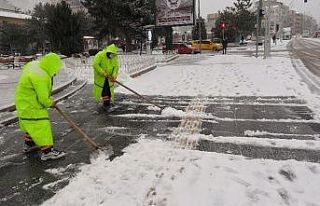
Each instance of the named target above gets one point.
<point>304,18</point>
<point>200,38</point>
<point>259,12</point>
<point>267,43</point>
<point>223,30</point>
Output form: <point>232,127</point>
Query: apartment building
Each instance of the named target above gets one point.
<point>211,24</point>
<point>295,22</point>
<point>11,15</point>
<point>281,15</point>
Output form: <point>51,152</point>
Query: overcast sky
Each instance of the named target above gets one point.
<point>312,7</point>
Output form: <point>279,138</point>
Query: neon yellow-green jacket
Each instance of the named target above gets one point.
<point>34,87</point>
<point>103,65</point>
<point>33,98</point>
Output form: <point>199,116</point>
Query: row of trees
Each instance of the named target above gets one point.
<point>239,20</point>
<point>57,27</point>
<point>52,27</point>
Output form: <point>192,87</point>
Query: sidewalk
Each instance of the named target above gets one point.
<point>9,79</point>
<point>74,70</point>
<point>251,48</point>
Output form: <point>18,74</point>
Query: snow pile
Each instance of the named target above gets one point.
<point>153,108</point>
<point>59,171</point>
<point>155,173</point>
<point>172,112</point>
<point>254,133</point>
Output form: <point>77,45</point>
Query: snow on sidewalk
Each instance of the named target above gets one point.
<point>228,75</point>
<point>153,172</point>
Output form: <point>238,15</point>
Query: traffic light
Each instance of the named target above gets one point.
<point>261,12</point>
<point>222,25</point>
<point>305,1</point>
<point>277,27</point>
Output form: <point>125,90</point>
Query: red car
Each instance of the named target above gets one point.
<point>182,48</point>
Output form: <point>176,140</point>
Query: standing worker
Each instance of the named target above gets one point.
<point>106,67</point>
<point>33,101</point>
<point>224,46</point>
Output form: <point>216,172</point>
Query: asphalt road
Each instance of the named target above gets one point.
<point>25,180</point>
<point>309,53</point>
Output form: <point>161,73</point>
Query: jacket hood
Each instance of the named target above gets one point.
<point>112,49</point>
<point>51,63</point>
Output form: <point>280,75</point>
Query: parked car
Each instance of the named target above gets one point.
<point>183,48</point>
<point>207,45</point>
<point>217,44</point>
<point>204,45</point>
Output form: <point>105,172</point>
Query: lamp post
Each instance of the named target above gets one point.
<point>200,39</point>
<point>141,27</point>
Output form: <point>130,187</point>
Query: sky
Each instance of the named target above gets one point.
<point>312,7</point>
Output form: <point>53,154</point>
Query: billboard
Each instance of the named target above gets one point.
<point>175,12</point>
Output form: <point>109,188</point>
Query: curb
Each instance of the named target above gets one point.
<point>72,92</point>
<point>172,58</point>
<point>12,107</point>
<point>9,121</point>
<point>14,119</point>
<point>148,69</point>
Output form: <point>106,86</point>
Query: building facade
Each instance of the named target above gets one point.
<point>211,24</point>
<point>295,22</point>
<point>281,16</point>
<point>10,14</point>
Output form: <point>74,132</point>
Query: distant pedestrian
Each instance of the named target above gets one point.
<point>242,39</point>
<point>106,67</point>
<point>33,100</point>
<point>224,46</point>
<point>274,38</point>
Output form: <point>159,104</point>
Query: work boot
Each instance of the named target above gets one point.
<point>51,154</point>
<point>106,105</point>
<point>29,145</point>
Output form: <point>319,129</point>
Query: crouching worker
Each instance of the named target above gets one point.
<point>106,67</point>
<point>33,101</point>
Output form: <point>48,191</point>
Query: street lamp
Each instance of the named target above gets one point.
<point>141,28</point>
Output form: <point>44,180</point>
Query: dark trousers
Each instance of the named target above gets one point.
<point>106,93</point>
<point>224,50</point>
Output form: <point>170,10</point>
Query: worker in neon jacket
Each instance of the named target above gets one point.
<point>106,67</point>
<point>33,100</point>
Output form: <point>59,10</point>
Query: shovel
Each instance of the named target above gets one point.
<point>139,95</point>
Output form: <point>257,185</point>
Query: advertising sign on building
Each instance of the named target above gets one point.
<point>175,12</point>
